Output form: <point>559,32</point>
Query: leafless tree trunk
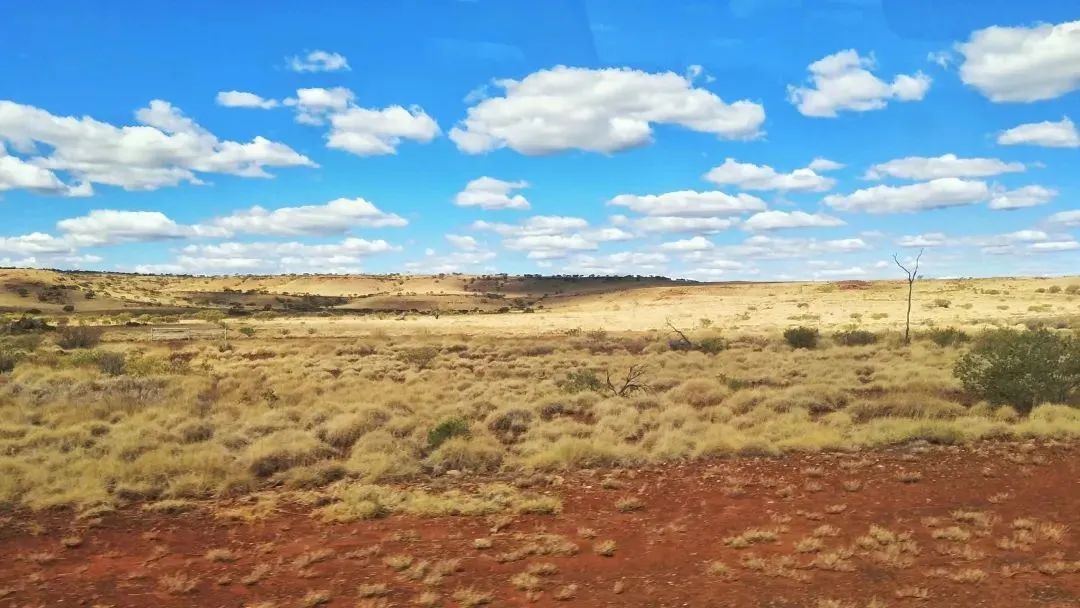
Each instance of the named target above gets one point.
<point>911,276</point>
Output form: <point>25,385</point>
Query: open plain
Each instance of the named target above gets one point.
<point>463,441</point>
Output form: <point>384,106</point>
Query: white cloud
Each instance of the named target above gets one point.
<point>941,58</point>
<point>688,203</point>
<point>768,247</point>
<point>946,165</point>
<point>1049,134</point>
<point>1067,219</point>
<point>775,220</point>
<point>242,99</point>
<point>549,237</point>
<point>824,164</point>
<point>604,110</point>
<point>361,131</point>
<point>344,256</point>
<point>35,243</point>
<point>167,148</point>
<point>843,81</point>
<point>1027,196</point>
<point>107,226</point>
<point>666,223</point>
<point>334,217</point>
<point>852,271</point>
<point>367,132</point>
<point>697,243</point>
<point>1050,246</point>
<point>934,194</point>
<point>17,174</point>
<point>318,61</point>
<point>1023,63</point>
<point>930,239</point>
<point>490,193</point>
<point>748,176</point>
<point>465,243</point>
<point>621,263</point>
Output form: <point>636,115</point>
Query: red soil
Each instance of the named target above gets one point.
<point>661,550</point>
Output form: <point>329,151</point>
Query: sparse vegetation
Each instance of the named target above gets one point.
<point>801,337</point>
<point>1022,368</point>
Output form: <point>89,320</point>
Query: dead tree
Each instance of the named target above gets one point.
<point>911,276</point>
<point>631,384</point>
<point>684,342</point>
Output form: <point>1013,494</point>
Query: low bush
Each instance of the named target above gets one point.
<point>445,430</point>
<point>1022,368</point>
<point>111,363</point>
<point>802,337</point>
<point>946,336</point>
<point>69,338</point>
<point>581,380</point>
<point>855,337</point>
<point>942,303</point>
<point>8,360</point>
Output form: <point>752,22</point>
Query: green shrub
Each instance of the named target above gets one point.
<point>247,331</point>
<point>942,303</point>
<point>855,337</point>
<point>801,337</point>
<point>421,356</point>
<point>1072,289</point>
<point>78,337</point>
<point>581,380</point>
<point>712,345</point>
<point>447,429</point>
<point>1022,368</point>
<point>947,336</point>
<point>1054,289</point>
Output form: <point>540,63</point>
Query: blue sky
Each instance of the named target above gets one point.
<point>747,139</point>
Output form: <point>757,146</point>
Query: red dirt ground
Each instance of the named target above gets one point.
<point>661,550</point>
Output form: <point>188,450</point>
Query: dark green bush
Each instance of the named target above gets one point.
<point>8,359</point>
<point>712,345</point>
<point>1022,368</point>
<point>581,380</point>
<point>947,336</point>
<point>447,429</point>
<point>247,331</point>
<point>78,337</point>
<point>802,337</point>
<point>855,337</point>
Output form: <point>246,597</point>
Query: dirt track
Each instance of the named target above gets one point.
<point>661,551</point>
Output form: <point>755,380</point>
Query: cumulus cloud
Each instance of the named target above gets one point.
<point>597,110</point>
<point>775,220</point>
<point>621,263</point>
<point>344,256</point>
<point>768,247</point>
<point>1061,134</point>
<point>1023,64</point>
<point>17,174</point>
<point>697,243</point>
<point>930,239</point>
<point>547,236</point>
<point>35,243</point>
<point>465,243</point>
<point>107,226</point>
<point>672,224</point>
<point>242,99</point>
<point>934,194</point>
<point>844,81</point>
<point>1066,219</point>
<point>1027,196</point>
<point>334,217</point>
<point>490,193</point>
<point>748,176</point>
<point>824,164</point>
<point>165,149</point>
<point>689,203</point>
<point>318,61</point>
<point>361,131</point>
<point>946,165</point>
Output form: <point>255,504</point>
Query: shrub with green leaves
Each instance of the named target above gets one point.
<point>445,430</point>
<point>1022,368</point>
<point>855,337</point>
<point>802,337</point>
<point>111,363</point>
<point>580,380</point>
<point>947,336</point>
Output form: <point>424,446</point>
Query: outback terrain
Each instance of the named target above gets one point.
<point>454,440</point>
